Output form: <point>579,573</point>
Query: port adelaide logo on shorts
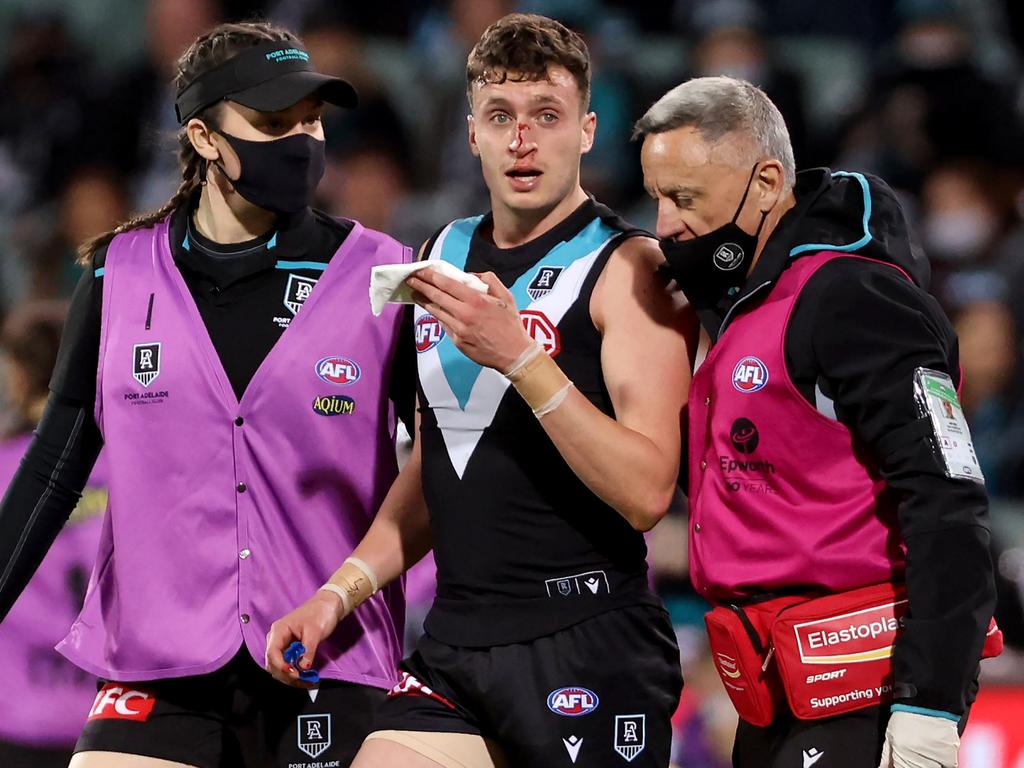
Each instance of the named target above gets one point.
<point>572,701</point>
<point>314,734</point>
<point>630,735</point>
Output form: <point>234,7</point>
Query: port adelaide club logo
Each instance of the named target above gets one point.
<point>146,362</point>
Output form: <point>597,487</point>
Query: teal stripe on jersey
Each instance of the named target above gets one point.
<point>459,370</point>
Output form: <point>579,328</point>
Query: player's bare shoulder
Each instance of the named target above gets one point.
<point>631,283</point>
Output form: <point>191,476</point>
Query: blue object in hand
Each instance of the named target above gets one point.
<point>292,654</point>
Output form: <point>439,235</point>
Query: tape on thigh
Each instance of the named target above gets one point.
<point>452,750</point>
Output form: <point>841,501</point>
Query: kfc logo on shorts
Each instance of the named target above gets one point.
<point>542,330</point>
<point>117,702</point>
<point>572,701</point>
<point>750,375</point>
<point>411,686</point>
<point>146,362</point>
<point>338,370</point>
<point>428,333</point>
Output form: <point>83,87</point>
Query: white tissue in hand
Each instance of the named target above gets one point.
<point>387,282</point>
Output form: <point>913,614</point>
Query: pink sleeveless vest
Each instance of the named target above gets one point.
<point>782,496</point>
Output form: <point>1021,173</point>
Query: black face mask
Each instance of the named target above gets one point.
<point>279,175</point>
<point>706,267</point>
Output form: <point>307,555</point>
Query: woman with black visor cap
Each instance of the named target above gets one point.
<point>222,351</point>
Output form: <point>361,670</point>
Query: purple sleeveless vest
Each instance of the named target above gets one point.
<point>47,699</point>
<point>226,515</point>
<point>781,494</point>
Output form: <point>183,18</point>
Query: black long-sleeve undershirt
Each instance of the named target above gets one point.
<point>44,492</point>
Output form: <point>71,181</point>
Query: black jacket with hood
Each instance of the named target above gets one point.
<point>858,332</point>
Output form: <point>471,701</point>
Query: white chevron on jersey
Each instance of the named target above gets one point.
<point>461,427</point>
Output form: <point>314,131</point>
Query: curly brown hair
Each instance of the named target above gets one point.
<point>521,47</point>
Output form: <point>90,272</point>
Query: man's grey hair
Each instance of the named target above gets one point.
<point>720,108</point>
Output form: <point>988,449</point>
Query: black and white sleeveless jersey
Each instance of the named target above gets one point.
<point>523,547</point>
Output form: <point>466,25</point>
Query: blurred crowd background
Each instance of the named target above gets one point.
<point>928,94</point>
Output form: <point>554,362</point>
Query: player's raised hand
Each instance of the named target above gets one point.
<point>485,327</point>
<point>309,624</point>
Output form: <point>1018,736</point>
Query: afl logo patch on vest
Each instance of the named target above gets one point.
<point>429,333</point>
<point>297,291</point>
<point>749,375</point>
<point>338,370</point>
<point>146,362</point>
<point>543,282</point>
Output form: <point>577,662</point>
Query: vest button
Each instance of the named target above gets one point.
<point>707,400</point>
<point>703,464</point>
<point>239,421</point>
<point>241,487</point>
<point>244,553</point>
<point>244,618</point>
<point>696,527</point>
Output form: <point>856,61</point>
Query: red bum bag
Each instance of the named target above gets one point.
<point>822,656</point>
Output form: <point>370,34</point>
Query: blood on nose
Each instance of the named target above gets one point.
<point>517,142</point>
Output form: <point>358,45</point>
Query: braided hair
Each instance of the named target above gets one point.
<point>209,51</point>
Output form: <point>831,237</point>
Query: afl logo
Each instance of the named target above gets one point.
<point>744,436</point>
<point>429,333</point>
<point>750,375</point>
<point>728,257</point>
<point>338,370</point>
<point>572,701</point>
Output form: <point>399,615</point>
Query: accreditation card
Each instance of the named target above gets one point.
<point>936,399</point>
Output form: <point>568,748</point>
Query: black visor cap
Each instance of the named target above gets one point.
<point>267,77</point>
